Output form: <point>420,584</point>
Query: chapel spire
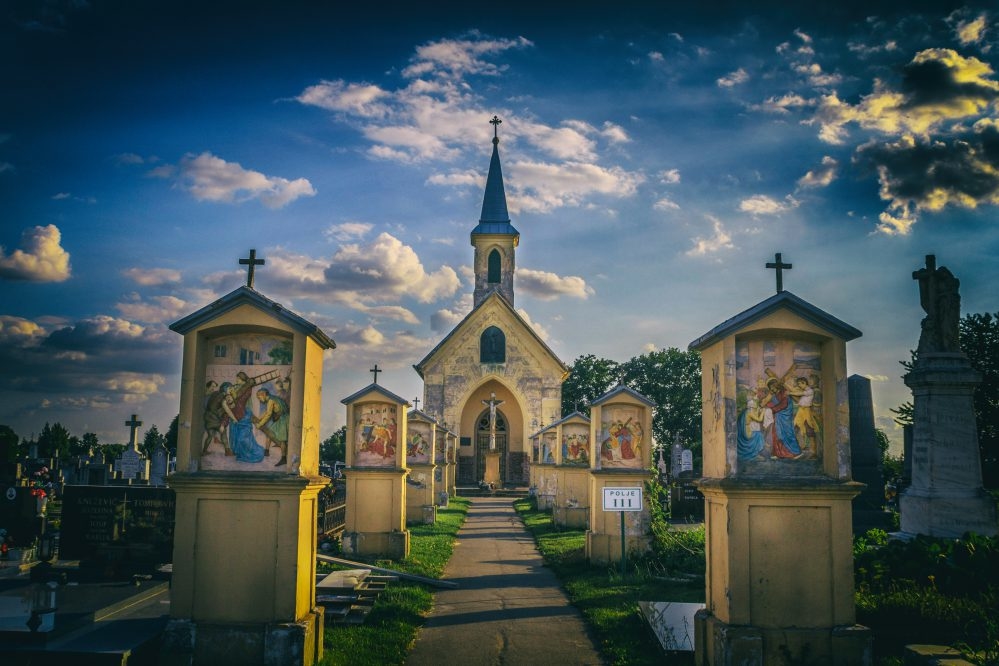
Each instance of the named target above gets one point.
<point>494,238</point>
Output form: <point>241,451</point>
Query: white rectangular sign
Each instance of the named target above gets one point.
<point>623,499</point>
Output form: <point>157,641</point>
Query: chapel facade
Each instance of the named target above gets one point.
<point>493,355</point>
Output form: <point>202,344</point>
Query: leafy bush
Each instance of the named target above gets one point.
<point>674,551</point>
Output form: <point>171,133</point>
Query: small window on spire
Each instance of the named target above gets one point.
<point>493,276</point>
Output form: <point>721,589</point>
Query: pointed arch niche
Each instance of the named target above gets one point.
<point>492,345</point>
<point>494,267</point>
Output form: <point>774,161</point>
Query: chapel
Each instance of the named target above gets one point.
<point>492,380</point>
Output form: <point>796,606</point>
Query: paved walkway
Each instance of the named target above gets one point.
<point>508,609</point>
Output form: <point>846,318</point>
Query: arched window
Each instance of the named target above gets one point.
<point>492,346</point>
<point>493,275</point>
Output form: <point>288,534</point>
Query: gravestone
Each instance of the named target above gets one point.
<point>131,464</point>
<point>865,457</point>
<point>158,465</point>
<point>121,529</point>
<point>778,489</point>
<point>946,497</point>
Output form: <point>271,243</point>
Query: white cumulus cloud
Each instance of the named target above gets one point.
<point>40,259</point>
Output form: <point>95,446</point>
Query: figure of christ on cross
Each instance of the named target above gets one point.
<point>492,404</point>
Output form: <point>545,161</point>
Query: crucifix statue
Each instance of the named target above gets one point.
<point>492,403</point>
<point>252,262</point>
<point>133,438</point>
<point>780,266</point>
<point>939,296</point>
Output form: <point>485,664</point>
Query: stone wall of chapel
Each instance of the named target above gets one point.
<point>528,372</point>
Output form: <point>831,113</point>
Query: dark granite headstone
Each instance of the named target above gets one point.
<point>686,501</point>
<point>865,456</point>
<point>127,527</point>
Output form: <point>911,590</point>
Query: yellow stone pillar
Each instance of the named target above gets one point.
<point>620,457</point>
<point>244,564</point>
<point>376,474</point>
<point>421,486</point>
<point>778,490</point>
<point>572,493</point>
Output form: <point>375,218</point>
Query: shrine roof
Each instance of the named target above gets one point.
<point>375,388</point>
<point>621,389</point>
<point>248,296</point>
<point>781,300</point>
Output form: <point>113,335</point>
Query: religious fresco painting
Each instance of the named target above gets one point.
<point>247,398</point>
<point>375,434</point>
<point>440,447</point>
<point>576,445</point>
<point>548,443</point>
<point>779,400</point>
<point>418,447</point>
<point>621,437</point>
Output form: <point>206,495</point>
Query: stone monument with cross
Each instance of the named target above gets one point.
<point>946,497</point>
<point>131,465</point>
<point>421,461</point>
<point>377,488</point>
<point>777,488</point>
<point>620,457</point>
<point>247,484</point>
<point>491,476</point>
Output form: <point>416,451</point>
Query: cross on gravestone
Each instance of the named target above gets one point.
<point>375,370</point>
<point>416,403</point>
<point>133,439</point>
<point>252,262</point>
<point>780,266</point>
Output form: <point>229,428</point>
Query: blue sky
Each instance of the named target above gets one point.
<point>655,158</point>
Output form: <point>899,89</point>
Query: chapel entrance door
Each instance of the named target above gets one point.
<point>482,443</point>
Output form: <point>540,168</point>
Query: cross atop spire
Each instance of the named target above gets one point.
<point>495,122</point>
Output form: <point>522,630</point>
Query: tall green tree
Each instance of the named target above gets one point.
<point>54,441</point>
<point>171,435</point>
<point>334,447</point>
<point>10,447</point>
<point>671,378</point>
<point>152,439</point>
<point>89,443</point>
<point>589,378</point>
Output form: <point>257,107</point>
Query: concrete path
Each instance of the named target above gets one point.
<point>508,608</point>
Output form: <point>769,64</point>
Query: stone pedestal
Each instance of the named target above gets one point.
<point>603,538</point>
<point>420,492</point>
<point>572,498</point>
<point>256,604</point>
<point>376,525</point>
<point>491,475</point>
<point>946,497</point>
<point>771,599</point>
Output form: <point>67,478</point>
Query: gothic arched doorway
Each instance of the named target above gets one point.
<point>482,436</point>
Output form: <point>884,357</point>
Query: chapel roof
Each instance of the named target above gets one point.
<point>375,388</point>
<point>621,389</point>
<point>495,295</point>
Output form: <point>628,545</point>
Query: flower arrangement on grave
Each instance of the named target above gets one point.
<point>40,481</point>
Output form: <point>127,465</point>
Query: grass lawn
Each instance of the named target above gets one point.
<point>608,600</point>
<point>386,635</point>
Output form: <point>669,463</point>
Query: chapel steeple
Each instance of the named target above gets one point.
<point>494,238</point>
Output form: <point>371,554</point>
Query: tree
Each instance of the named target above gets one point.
<point>589,378</point>
<point>979,338</point>
<point>54,441</point>
<point>670,378</point>
<point>334,447</point>
<point>152,440</point>
<point>171,435</point>
<point>10,449</point>
<point>89,443</point>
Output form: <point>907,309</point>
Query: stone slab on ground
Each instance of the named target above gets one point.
<point>672,622</point>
